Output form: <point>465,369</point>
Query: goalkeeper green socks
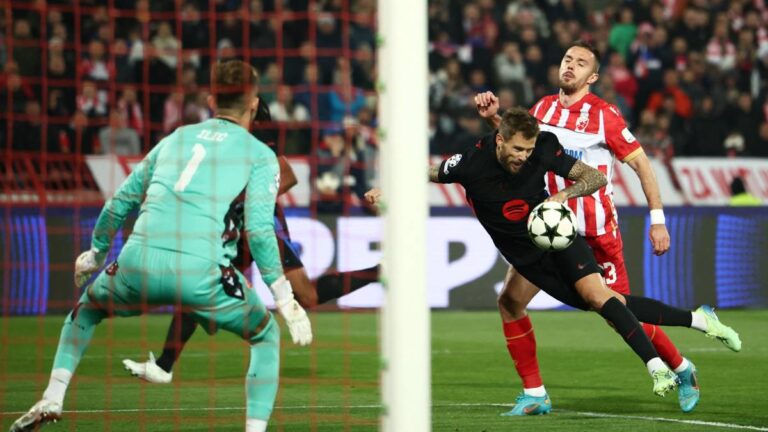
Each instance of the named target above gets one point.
<point>76,335</point>
<point>263,373</point>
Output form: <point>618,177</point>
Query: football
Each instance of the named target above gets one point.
<point>552,226</point>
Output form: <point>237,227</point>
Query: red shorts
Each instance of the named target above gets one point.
<point>609,253</point>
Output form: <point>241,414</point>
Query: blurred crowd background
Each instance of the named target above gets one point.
<point>92,77</point>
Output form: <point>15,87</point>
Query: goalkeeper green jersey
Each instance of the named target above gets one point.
<point>185,186</point>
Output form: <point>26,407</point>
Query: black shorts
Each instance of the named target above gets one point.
<point>557,272</point>
<point>289,251</point>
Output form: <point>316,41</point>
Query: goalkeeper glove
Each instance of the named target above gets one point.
<point>294,315</point>
<point>86,264</point>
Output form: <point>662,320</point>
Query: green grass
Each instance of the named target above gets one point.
<point>333,386</point>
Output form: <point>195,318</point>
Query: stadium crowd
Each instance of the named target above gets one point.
<point>94,77</point>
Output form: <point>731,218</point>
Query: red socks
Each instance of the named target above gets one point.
<point>521,344</point>
<point>666,349</point>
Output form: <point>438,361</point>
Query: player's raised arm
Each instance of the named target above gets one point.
<point>587,181</point>
<point>260,197</point>
<point>488,107</point>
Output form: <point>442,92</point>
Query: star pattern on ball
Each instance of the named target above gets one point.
<point>564,212</point>
<point>550,233</point>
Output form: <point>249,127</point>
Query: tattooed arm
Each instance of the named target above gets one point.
<point>587,181</point>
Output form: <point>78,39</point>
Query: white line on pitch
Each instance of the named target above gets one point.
<point>437,405</point>
<point>669,420</point>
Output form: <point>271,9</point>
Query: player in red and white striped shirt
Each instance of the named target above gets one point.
<point>593,131</point>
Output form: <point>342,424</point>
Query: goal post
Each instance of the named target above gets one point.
<point>403,113</point>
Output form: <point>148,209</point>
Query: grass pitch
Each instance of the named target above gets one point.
<point>594,380</point>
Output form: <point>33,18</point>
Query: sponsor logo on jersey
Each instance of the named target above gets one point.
<point>576,154</point>
<point>627,135</point>
<point>451,162</point>
<point>515,210</point>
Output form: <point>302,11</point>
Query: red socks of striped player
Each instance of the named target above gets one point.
<point>521,344</point>
<point>666,349</point>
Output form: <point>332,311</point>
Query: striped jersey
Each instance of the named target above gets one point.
<point>594,132</point>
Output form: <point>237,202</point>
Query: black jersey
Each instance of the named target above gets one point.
<point>501,200</point>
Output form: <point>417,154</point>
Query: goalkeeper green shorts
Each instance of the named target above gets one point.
<point>144,278</point>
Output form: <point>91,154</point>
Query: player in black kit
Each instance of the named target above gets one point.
<point>503,175</point>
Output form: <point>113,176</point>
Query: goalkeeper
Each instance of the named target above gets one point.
<point>176,256</point>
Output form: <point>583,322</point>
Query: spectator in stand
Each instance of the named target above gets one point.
<point>231,29</point>
<point>511,71</point>
<point>263,35</point>
<point>15,89</point>
<point>344,99</point>
<point>721,52</point>
<point>329,41</point>
<point>129,108</point>
<point>364,68</point>
<point>286,109</point>
<point>653,134</point>
<point>680,54</point>
<point>118,139</point>
<point>121,64</point>
<point>683,106</point>
<point>624,32</point>
<point>27,128</point>
<point>646,59</point>
<point>762,143</point>
<point>269,80</point>
<point>441,49</point>
<point>196,108</point>
<point>437,134</point>
<point>507,99</point>
<point>91,101</point>
<point>693,28</point>
<point>526,12</point>
<point>26,49</point>
<point>624,81</point>
<point>332,171</point>
<point>166,49</point>
<point>744,119</point>
<point>311,95</point>
<point>734,145</point>
<point>173,111</point>
<point>707,131</point>
<point>95,66</point>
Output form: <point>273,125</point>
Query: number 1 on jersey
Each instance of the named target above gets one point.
<point>198,154</point>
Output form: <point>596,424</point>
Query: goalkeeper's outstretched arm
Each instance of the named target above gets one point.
<point>260,196</point>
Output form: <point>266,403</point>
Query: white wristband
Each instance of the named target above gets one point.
<point>657,217</point>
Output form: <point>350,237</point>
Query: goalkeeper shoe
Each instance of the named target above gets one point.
<point>688,390</point>
<point>44,411</point>
<point>530,405</point>
<point>664,380</point>
<point>148,370</point>
<point>718,330</point>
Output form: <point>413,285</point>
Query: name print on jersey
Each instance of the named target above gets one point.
<point>209,135</point>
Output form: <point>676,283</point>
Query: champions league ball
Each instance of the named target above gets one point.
<point>552,226</point>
